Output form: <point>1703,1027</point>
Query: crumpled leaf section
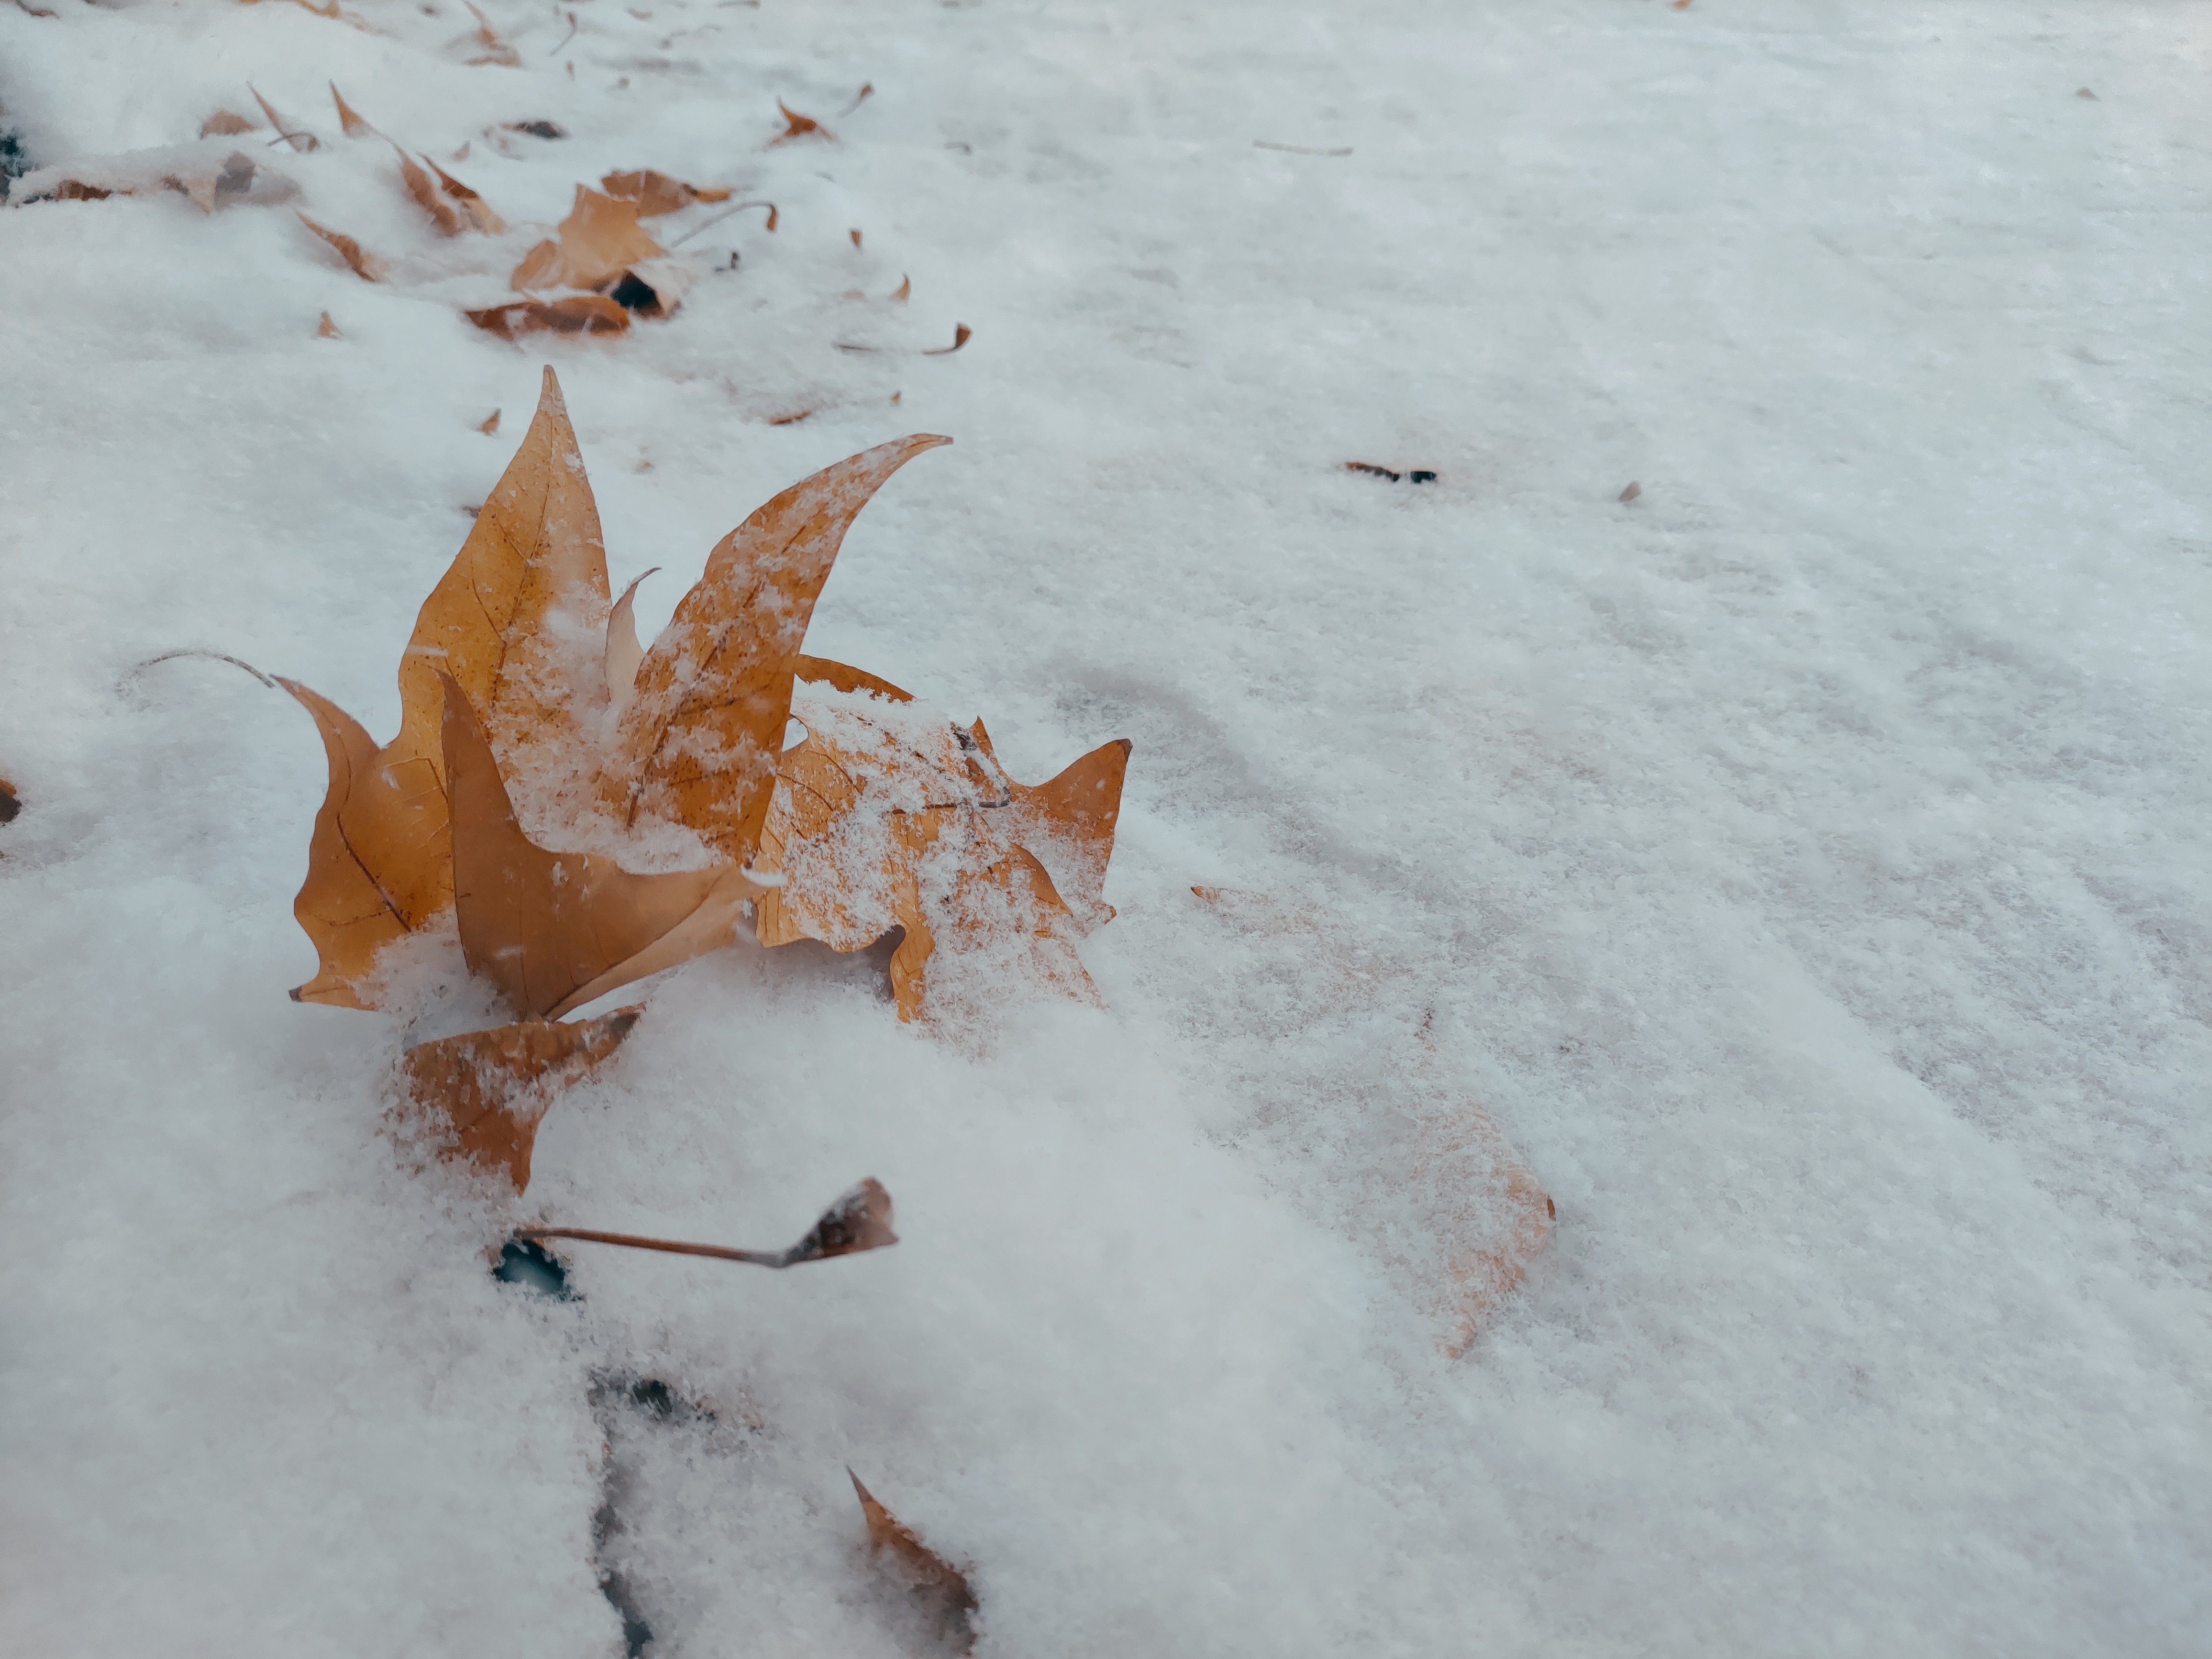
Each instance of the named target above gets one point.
<point>487,1091</point>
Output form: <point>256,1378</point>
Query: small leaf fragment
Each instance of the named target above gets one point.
<point>578,314</point>
<point>474,211</point>
<point>224,124</point>
<point>961,335</point>
<point>799,126</point>
<point>298,139</point>
<point>328,329</point>
<point>1633,490</point>
<point>904,290</point>
<point>941,1587</point>
<point>490,424</point>
<point>656,194</point>
<point>491,1089</point>
<point>427,196</point>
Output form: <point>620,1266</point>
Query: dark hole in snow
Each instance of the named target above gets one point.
<point>538,129</point>
<point>9,805</point>
<point>633,295</point>
<point>531,1265</point>
<point>14,162</point>
<point>1422,475</point>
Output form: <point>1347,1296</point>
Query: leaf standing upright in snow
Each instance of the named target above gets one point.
<point>700,742</point>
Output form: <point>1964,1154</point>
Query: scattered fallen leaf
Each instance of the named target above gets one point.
<point>363,264</point>
<point>579,313</point>
<point>904,290</point>
<point>1633,490</point>
<point>855,235</point>
<point>298,139</point>
<point>476,214</point>
<point>656,194</point>
<point>933,1581</point>
<point>699,745</point>
<point>348,121</point>
<point>427,196</point>
<point>492,49</point>
<point>460,154</point>
<point>797,126</point>
<point>598,242</point>
<point>860,1220</point>
<point>867,90</point>
<point>327,329</point>
<point>961,335</point>
<point>490,1089</point>
<point>224,124</point>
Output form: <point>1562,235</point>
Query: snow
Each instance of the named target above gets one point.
<point>1806,863</point>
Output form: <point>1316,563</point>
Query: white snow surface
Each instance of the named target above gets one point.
<point>1806,863</point>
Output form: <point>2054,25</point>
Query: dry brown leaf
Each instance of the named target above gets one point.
<point>577,313</point>
<point>799,126</point>
<point>298,139</point>
<point>598,242</point>
<point>940,1586</point>
<point>489,1090</point>
<point>490,424</point>
<point>656,193</point>
<point>887,818</point>
<point>491,48</point>
<point>427,196</point>
<point>855,235</point>
<point>847,678</point>
<point>1069,822</point>
<point>699,745</point>
<point>961,335</point>
<point>475,213</point>
<point>904,290</point>
<point>363,264</point>
<point>349,120</point>
<point>554,930</point>
<point>212,174</point>
<point>223,124</point>
<point>327,329</point>
<point>377,860</point>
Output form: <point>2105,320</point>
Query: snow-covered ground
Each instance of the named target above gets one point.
<point>1808,863</point>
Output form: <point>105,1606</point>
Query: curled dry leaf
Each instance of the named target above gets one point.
<point>904,290</point>
<point>941,1588</point>
<point>656,194</point>
<point>799,126</point>
<point>363,264</point>
<point>577,313</point>
<point>350,122</point>
<point>224,124</point>
<point>598,242</point>
<point>961,335</point>
<point>489,1090</point>
<point>699,743</point>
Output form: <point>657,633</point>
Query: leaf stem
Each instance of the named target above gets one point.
<point>674,1247</point>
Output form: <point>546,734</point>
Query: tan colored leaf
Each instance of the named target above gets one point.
<point>372,864</point>
<point>941,1588</point>
<point>598,240</point>
<point>223,124</point>
<point>1068,823</point>
<point>577,313</point>
<point>553,930</point>
<point>700,744</point>
<point>846,677</point>
<point>327,329</point>
<point>291,135</point>
<point>517,617</point>
<point>904,291</point>
<point>474,211</point>
<point>656,193</point>
<point>887,818</point>
<point>490,1089</point>
<point>491,49</point>
<point>961,335</point>
<point>489,425</point>
<point>365,265</point>
<point>211,172</point>
<point>624,651</point>
<point>350,122</point>
<point>427,196</point>
<point>799,126</point>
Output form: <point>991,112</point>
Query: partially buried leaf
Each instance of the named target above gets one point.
<point>489,47</point>
<point>474,211</point>
<point>363,264</point>
<point>577,313</point>
<point>939,1588</point>
<point>700,744</point>
<point>225,124</point>
<point>652,287</point>
<point>1069,823</point>
<point>598,240</point>
<point>351,123</point>
<point>961,335</point>
<point>554,930</point>
<point>327,329</point>
<point>656,193</point>
<point>797,126</point>
<point>490,1089</point>
<point>376,861</point>
<point>490,424</point>
<point>292,136</point>
<point>427,196</point>
<point>211,172</point>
